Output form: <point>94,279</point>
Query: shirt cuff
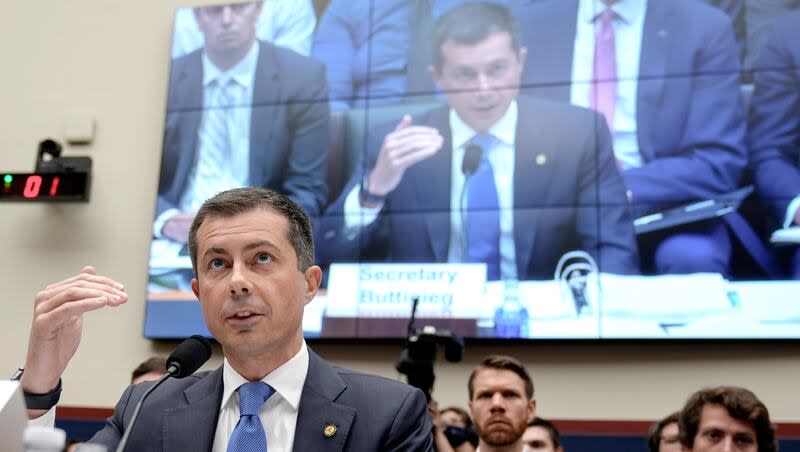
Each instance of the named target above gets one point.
<point>161,220</point>
<point>356,216</point>
<point>46,420</point>
<point>791,211</point>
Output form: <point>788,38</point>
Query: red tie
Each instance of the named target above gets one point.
<point>604,77</point>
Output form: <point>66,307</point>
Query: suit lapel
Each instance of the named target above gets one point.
<point>319,410</point>
<point>184,114</point>
<point>656,36</point>
<point>534,157</point>
<point>266,99</point>
<point>190,427</point>
<point>432,186</point>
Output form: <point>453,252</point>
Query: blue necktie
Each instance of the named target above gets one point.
<point>483,213</point>
<point>249,436</point>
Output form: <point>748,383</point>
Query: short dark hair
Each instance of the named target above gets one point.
<point>462,413</point>
<point>154,364</point>
<point>502,362</point>
<point>237,201</point>
<point>654,434</point>
<point>555,436</point>
<point>740,403</point>
<point>471,23</point>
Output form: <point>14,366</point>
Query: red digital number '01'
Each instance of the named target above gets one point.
<point>32,186</point>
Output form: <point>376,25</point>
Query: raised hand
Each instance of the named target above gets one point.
<point>405,146</point>
<point>57,324</point>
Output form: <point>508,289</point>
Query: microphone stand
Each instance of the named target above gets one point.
<point>174,369</point>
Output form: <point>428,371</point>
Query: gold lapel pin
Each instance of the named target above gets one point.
<point>329,431</point>
<point>541,159</point>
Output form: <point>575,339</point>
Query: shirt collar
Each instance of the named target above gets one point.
<point>243,72</point>
<point>287,380</point>
<point>630,11</point>
<point>505,129</point>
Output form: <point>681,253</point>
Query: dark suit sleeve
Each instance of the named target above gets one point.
<point>333,245</point>
<point>412,429</point>
<point>113,430</point>
<point>775,120</point>
<point>711,155</point>
<point>607,230</point>
<point>304,180</point>
<point>334,46</point>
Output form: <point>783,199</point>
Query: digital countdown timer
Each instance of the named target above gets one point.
<point>45,187</point>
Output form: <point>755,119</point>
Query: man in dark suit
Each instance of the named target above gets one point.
<point>241,112</point>
<point>672,102</point>
<point>549,169</point>
<point>775,126</point>
<point>252,251</point>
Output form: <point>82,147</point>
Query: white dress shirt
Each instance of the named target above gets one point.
<point>278,415</point>
<point>501,156</point>
<point>628,31</point>
<point>236,172</point>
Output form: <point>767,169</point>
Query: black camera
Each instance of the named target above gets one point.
<point>417,358</point>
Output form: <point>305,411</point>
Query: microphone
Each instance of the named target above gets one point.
<point>184,361</point>
<point>472,158</point>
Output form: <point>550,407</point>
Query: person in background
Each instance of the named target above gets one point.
<point>240,112</point>
<point>664,435</point>
<point>150,369</point>
<point>501,403</point>
<point>285,23</point>
<point>541,436</point>
<point>666,77</point>
<point>726,418</point>
<point>774,133</point>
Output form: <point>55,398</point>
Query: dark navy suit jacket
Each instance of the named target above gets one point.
<point>775,117</point>
<point>567,195</point>
<point>288,129</point>
<point>370,413</point>
<point>690,121</point>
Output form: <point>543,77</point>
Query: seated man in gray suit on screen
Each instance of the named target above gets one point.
<point>240,112</point>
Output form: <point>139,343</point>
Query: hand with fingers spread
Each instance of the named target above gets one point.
<point>57,323</point>
<point>406,145</point>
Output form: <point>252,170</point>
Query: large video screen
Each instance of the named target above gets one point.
<point>514,169</point>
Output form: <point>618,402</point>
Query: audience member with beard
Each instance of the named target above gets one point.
<point>501,403</point>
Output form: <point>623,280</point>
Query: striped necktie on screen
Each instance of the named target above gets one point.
<point>216,138</point>
<point>603,97</point>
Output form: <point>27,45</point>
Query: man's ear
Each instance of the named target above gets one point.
<point>313,278</point>
<point>435,75</point>
<point>196,288</point>
<point>531,409</point>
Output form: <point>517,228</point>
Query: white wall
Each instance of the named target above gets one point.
<point>110,59</point>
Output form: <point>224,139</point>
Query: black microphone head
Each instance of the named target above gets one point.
<point>472,158</point>
<point>189,356</point>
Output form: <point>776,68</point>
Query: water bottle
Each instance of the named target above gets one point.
<point>511,318</point>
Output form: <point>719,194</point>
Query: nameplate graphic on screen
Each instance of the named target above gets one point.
<point>388,290</point>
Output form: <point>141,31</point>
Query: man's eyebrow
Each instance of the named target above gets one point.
<point>259,244</point>
<point>215,250</point>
